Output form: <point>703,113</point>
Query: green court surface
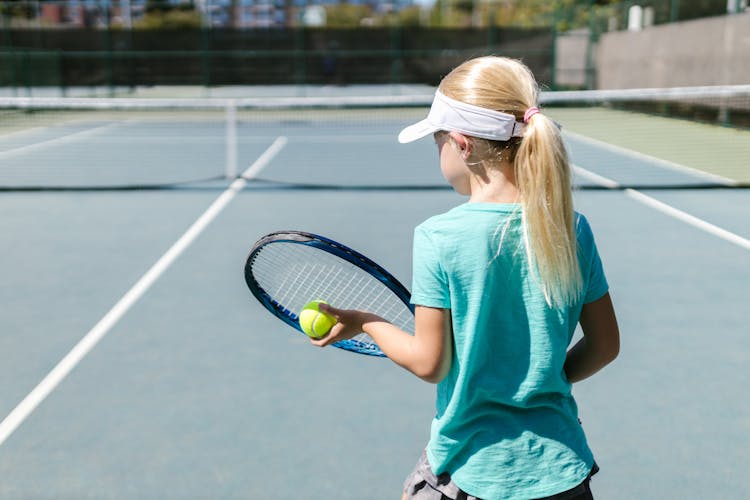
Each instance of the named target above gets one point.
<point>723,151</point>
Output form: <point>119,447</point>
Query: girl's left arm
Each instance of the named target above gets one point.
<point>427,353</point>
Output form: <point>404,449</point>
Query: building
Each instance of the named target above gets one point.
<point>214,13</point>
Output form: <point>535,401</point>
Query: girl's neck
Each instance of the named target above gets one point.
<point>494,185</point>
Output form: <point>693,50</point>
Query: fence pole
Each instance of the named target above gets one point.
<point>61,72</point>
<point>553,62</point>
<point>397,55</point>
<point>674,11</point>
<point>109,68</point>
<point>206,54</point>
<point>9,53</point>
<point>590,46</point>
<point>491,30</point>
<point>299,57</point>
<point>28,72</point>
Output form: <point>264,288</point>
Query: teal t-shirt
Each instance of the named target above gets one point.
<point>506,425</point>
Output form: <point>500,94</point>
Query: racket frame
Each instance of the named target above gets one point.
<point>330,246</point>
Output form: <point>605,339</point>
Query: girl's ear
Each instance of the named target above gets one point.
<point>463,143</point>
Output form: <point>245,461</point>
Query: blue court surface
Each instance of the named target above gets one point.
<point>135,364</point>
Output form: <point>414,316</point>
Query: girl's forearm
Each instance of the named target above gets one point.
<point>403,349</point>
<point>600,344</point>
<point>427,353</point>
<point>582,361</point>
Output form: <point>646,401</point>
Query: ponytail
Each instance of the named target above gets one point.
<point>543,178</point>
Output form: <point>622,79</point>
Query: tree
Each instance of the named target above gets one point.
<point>163,15</point>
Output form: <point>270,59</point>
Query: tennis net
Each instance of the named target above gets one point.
<point>645,138</point>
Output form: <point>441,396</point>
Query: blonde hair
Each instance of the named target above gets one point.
<point>540,164</point>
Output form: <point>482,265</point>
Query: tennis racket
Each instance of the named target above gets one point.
<point>287,269</point>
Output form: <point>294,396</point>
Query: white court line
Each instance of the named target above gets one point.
<point>587,174</point>
<point>668,209</point>
<point>261,162</point>
<point>689,219</point>
<point>26,131</point>
<point>658,161</point>
<point>56,141</point>
<point>16,417</point>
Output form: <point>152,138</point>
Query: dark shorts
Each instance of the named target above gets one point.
<point>422,484</point>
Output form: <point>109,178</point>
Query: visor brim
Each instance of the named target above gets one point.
<point>417,131</point>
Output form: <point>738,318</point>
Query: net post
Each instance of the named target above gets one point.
<point>231,139</point>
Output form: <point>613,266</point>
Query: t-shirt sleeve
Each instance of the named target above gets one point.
<point>594,277</point>
<point>429,280</point>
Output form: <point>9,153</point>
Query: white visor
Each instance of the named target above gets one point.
<point>451,115</point>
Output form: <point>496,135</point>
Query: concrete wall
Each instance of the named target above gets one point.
<point>571,67</point>
<point>713,51</point>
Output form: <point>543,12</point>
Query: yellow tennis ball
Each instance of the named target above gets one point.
<point>314,322</point>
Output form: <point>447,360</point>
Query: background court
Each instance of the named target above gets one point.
<point>197,392</point>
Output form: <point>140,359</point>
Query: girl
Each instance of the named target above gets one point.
<point>499,285</point>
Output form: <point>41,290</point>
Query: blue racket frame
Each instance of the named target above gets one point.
<point>339,250</point>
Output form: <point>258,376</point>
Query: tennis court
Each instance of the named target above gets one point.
<point>134,363</point>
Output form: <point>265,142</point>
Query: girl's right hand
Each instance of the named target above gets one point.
<point>348,324</point>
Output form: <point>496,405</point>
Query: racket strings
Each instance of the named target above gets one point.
<point>293,274</point>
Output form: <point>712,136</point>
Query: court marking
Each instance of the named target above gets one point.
<point>261,163</point>
<point>689,219</point>
<point>667,209</point>
<point>25,131</point>
<point>56,141</point>
<point>63,368</point>
<point>596,178</point>
<point>670,165</point>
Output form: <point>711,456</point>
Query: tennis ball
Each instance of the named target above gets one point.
<point>314,322</point>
